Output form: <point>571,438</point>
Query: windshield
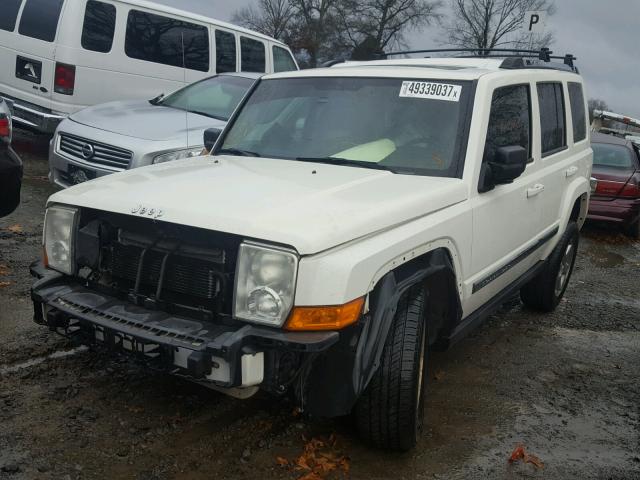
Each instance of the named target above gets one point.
<point>609,155</point>
<point>215,97</point>
<point>401,125</point>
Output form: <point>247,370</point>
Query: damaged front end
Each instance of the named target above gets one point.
<point>164,293</point>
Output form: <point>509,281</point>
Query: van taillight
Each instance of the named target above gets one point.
<point>65,79</point>
<point>5,128</point>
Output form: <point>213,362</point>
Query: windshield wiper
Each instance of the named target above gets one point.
<point>217,117</point>
<point>345,162</point>
<point>238,152</point>
<point>156,100</point>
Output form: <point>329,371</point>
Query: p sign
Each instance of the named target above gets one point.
<point>534,21</point>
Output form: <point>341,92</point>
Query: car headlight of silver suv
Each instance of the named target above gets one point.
<point>59,225</point>
<point>178,155</point>
<point>265,284</point>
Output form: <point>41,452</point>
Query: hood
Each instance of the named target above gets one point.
<point>140,119</point>
<point>311,207</point>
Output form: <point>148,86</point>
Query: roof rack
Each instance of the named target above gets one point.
<point>514,57</point>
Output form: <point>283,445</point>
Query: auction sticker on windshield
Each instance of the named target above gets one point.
<point>436,91</point>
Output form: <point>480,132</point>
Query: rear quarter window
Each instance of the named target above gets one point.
<point>578,114</point>
<point>40,19</point>
<point>253,58</point>
<point>282,61</point>
<point>160,39</point>
<point>99,26</point>
<point>10,9</point>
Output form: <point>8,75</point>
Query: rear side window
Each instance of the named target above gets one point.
<point>252,55</point>
<point>282,61</point>
<point>159,39</point>
<point>10,9</point>
<point>99,25</point>
<point>510,120</point>
<point>615,156</point>
<point>576,99</point>
<point>225,52</point>
<point>551,100</point>
<point>40,19</point>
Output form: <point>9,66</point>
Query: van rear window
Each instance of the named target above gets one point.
<point>10,9</point>
<point>40,19</point>
<point>99,26</point>
<point>159,39</point>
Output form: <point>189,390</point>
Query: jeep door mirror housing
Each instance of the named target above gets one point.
<point>507,164</point>
<point>211,136</point>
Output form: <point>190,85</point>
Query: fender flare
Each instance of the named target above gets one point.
<point>339,378</point>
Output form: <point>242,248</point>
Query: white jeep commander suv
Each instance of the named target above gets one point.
<point>348,220</point>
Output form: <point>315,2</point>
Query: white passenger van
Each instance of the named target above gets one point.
<point>58,56</point>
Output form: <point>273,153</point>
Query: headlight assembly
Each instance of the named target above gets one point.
<point>178,155</point>
<point>59,224</point>
<point>265,284</point>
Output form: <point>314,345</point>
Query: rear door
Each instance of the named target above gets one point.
<point>27,49</point>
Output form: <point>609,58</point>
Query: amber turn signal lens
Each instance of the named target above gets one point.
<point>325,318</point>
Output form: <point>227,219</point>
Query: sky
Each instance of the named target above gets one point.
<point>603,34</point>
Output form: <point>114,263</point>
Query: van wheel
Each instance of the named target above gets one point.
<point>390,412</point>
<point>544,292</point>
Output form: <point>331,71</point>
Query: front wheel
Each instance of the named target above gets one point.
<point>390,413</point>
<point>633,229</point>
<point>544,292</point>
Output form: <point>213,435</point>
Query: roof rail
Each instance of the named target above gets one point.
<point>544,56</point>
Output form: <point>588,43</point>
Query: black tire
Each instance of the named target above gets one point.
<point>544,292</point>
<point>390,412</point>
<point>633,229</point>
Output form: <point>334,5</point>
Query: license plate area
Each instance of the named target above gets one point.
<point>29,70</point>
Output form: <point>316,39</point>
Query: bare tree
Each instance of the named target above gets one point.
<point>381,24</point>
<point>271,17</point>
<point>486,24</point>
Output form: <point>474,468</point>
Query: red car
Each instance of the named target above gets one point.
<point>616,166</point>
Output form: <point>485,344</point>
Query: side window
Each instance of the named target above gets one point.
<point>252,54</point>
<point>576,99</point>
<point>225,52</point>
<point>40,19</point>
<point>282,61</point>
<point>160,39</point>
<point>10,9</point>
<point>551,101</point>
<point>509,120</point>
<point>99,26</point>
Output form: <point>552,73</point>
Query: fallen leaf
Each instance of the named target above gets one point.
<point>15,228</point>
<point>439,375</point>
<point>519,453</point>
<point>283,462</point>
<point>4,284</point>
<point>4,270</point>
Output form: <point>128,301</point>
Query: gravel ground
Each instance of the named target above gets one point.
<point>566,386</point>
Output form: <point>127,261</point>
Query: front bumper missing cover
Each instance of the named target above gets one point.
<point>224,356</point>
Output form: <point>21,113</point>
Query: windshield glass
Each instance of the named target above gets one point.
<point>215,97</point>
<point>616,156</point>
<point>402,125</point>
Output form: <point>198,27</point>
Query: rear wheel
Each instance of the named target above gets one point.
<point>390,412</point>
<point>544,292</point>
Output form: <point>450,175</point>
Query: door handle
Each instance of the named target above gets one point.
<point>535,190</point>
<point>571,171</point>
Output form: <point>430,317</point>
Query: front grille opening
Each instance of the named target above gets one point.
<point>181,270</point>
<point>94,152</point>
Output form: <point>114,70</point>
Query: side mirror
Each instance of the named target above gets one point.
<point>507,164</point>
<point>211,136</point>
